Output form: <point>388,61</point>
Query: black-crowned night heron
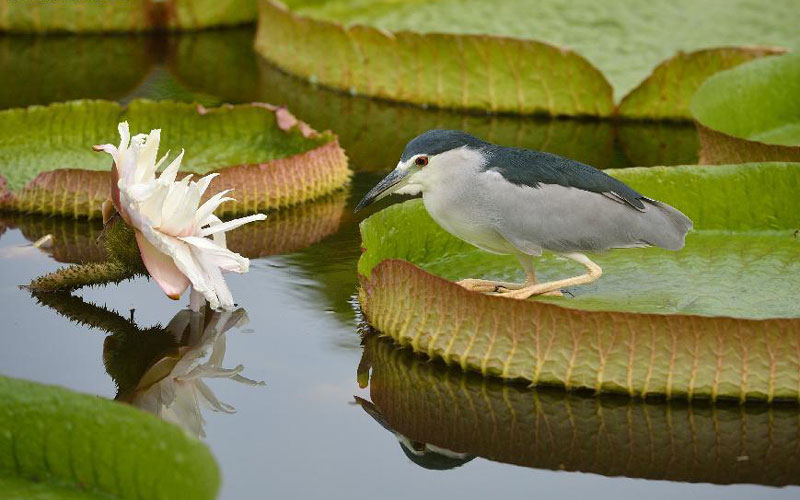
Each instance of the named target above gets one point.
<point>521,202</point>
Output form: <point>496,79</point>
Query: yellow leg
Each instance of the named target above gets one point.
<point>593,272</point>
<point>487,286</point>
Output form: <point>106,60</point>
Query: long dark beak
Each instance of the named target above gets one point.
<point>383,188</point>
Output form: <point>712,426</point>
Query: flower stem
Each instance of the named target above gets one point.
<point>80,275</point>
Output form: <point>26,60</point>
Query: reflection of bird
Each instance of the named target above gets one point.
<point>425,455</point>
<point>521,202</point>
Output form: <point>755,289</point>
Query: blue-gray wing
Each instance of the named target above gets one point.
<point>525,167</point>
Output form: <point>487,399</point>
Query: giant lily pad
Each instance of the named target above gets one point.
<point>740,262</point>
<point>445,413</point>
<point>751,112</point>
<point>134,15</point>
<point>270,158</point>
<point>510,57</point>
<point>55,443</point>
<point>372,130</point>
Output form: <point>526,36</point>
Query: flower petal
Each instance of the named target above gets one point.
<point>231,224</point>
<point>217,255</point>
<point>203,183</point>
<point>210,205</point>
<point>169,173</point>
<point>162,268</point>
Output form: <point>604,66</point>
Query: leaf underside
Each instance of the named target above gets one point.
<point>556,430</point>
<point>46,157</point>
<point>710,310</point>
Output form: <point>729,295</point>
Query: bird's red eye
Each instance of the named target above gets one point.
<point>421,161</point>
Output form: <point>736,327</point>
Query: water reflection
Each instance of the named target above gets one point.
<point>286,230</point>
<point>162,369</point>
<point>446,409</point>
<point>213,67</point>
<point>74,240</point>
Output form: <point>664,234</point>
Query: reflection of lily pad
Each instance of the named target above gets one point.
<point>557,430</point>
<point>74,240</point>
<point>751,113</point>
<point>291,229</point>
<point>740,262</point>
<point>140,15</point>
<point>50,435</point>
<point>39,70</point>
<point>498,55</point>
<point>264,152</point>
<point>373,130</point>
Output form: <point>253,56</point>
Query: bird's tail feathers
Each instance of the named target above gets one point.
<point>673,236</point>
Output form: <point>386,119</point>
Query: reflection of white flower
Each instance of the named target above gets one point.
<point>173,388</point>
<point>172,228</point>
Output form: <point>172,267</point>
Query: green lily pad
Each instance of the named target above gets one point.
<point>470,415</point>
<point>751,112</point>
<point>272,159</point>
<point>497,53</point>
<point>667,92</point>
<point>138,15</point>
<point>70,445</point>
<point>740,263</point>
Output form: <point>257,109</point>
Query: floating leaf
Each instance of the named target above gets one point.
<point>499,57</point>
<point>270,158</point>
<point>751,112</point>
<point>462,413</point>
<point>666,93</point>
<point>740,262</point>
<point>99,449</point>
<point>466,71</point>
<point>371,130</point>
<point>134,15</point>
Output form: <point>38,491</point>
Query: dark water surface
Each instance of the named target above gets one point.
<point>417,430</point>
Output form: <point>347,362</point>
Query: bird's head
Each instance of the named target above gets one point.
<point>425,160</point>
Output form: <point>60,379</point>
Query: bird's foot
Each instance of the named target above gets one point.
<point>530,291</point>
<point>486,286</point>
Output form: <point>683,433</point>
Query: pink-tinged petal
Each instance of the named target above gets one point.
<point>185,261</point>
<point>162,268</point>
<point>232,224</point>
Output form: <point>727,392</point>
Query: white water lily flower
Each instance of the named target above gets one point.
<point>173,388</point>
<point>172,228</point>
